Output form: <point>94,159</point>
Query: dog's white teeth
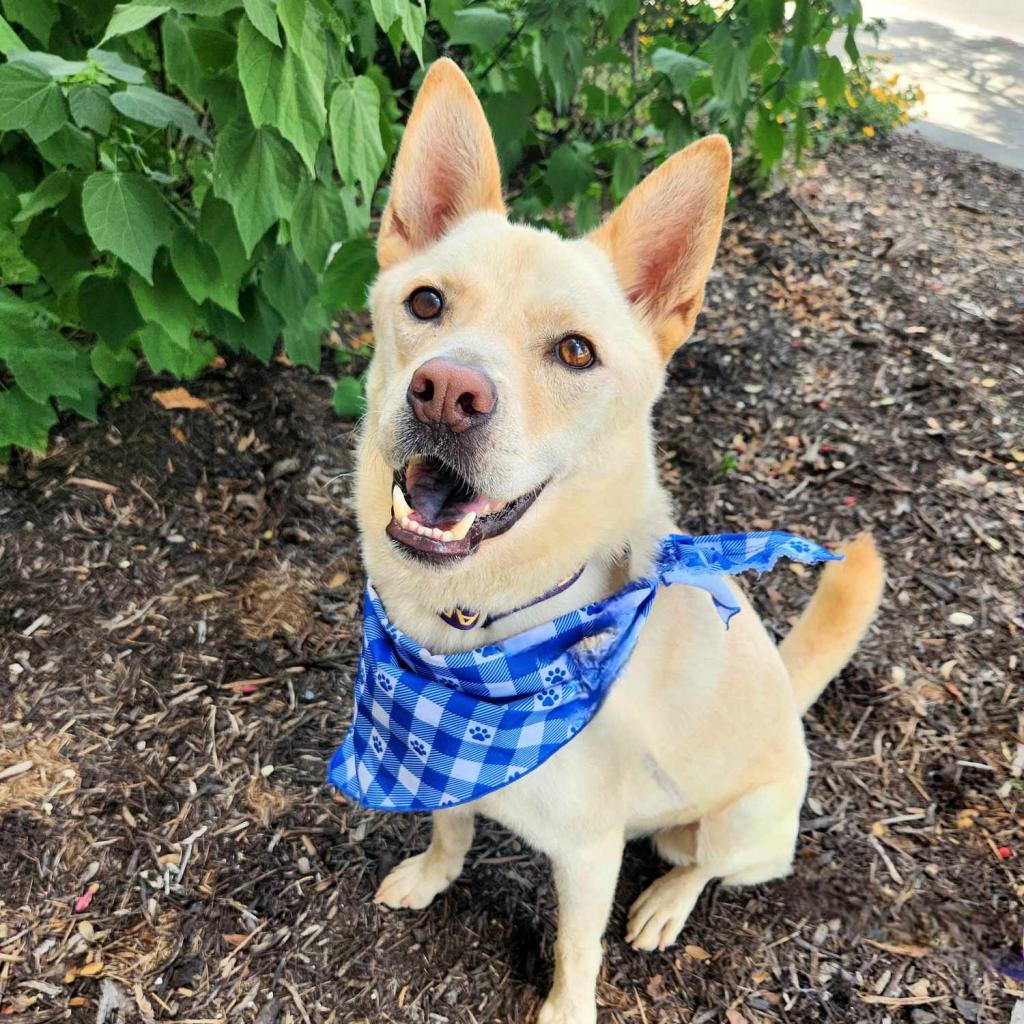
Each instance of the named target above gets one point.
<point>400,505</point>
<point>461,528</point>
<point>446,536</point>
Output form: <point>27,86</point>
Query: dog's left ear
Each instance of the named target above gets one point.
<point>662,239</point>
<point>446,169</point>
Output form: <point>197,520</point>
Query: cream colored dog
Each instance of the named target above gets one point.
<point>508,442</point>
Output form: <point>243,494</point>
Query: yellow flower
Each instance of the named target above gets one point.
<point>645,39</point>
<point>903,118</point>
<point>780,118</point>
<point>893,80</point>
<point>868,131</point>
<point>851,101</point>
<point>820,101</point>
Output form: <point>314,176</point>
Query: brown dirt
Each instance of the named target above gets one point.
<point>859,365</point>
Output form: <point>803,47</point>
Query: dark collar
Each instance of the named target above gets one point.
<point>466,618</point>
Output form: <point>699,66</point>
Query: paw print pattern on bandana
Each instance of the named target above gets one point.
<point>548,698</point>
<point>462,725</point>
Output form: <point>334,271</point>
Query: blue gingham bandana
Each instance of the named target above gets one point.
<point>437,730</point>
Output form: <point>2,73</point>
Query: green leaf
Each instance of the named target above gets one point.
<point>198,268</point>
<point>561,55</point>
<point>85,403</point>
<point>264,19</point>
<point>44,363</point>
<point>767,15</point>
<point>729,69</point>
<point>165,302</point>
<point>163,353</point>
<point>349,400</point>
<point>181,63</point>
<point>805,67</point>
<point>154,108</point>
<point>349,276</point>
<point>386,12</point>
<point>30,101</point>
<point>112,65</point>
<point>59,254</point>
<point>303,340</point>
<point>803,20</point>
<point>9,41</point>
<point>509,116</point>
<point>479,26</point>
<point>91,108</point>
<point>69,146</point>
<point>126,216</point>
<point>769,139</point>
<point>414,23</point>
<point>15,266</point>
<point>288,285</point>
<point>52,190</point>
<point>258,174</point>
<point>587,213</point>
<point>257,331</point>
<point>355,133</point>
<point>217,228</point>
<point>129,17</point>
<point>680,68</point>
<point>318,220</point>
<point>38,16</point>
<point>832,80</point>
<point>23,422</point>
<point>285,88</point>
<point>48,63</point>
<point>850,45</point>
<point>625,171</point>
<point>106,307</point>
<point>9,204</point>
<point>215,50</point>
<point>115,367</point>
<point>568,173</point>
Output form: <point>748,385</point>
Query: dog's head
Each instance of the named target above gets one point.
<point>509,399</point>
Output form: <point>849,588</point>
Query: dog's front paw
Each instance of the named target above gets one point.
<point>415,882</point>
<point>658,915</point>
<point>559,1011</point>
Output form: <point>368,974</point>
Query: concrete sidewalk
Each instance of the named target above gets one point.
<point>969,59</point>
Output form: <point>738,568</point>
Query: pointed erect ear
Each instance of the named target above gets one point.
<point>662,239</point>
<point>447,167</point>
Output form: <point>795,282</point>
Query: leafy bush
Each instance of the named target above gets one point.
<point>177,174</point>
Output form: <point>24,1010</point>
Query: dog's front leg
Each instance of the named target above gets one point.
<point>585,878</point>
<point>417,880</point>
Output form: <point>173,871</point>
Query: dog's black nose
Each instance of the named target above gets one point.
<point>452,394</point>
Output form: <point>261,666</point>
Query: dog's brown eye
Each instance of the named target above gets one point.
<point>425,303</point>
<point>576,352</point>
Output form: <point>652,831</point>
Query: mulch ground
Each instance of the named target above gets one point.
<point>179,595</point>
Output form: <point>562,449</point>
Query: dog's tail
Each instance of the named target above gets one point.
<point>831,626</point>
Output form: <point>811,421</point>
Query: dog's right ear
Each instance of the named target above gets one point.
<point>447,166</point>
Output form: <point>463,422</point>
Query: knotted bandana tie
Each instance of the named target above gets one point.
<point>437,730</point>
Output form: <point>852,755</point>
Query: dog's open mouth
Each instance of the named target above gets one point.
<point>438,515</point>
